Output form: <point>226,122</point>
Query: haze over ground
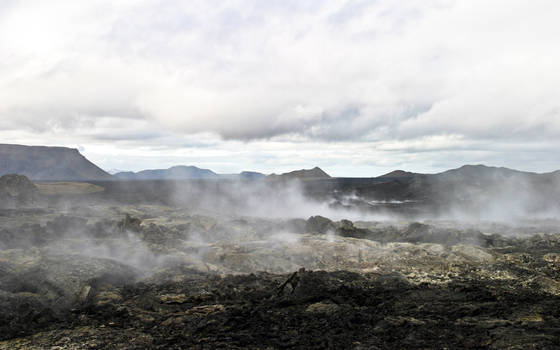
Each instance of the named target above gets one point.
<point>357,88</point>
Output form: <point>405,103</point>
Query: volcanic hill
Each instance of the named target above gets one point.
<point>315,173</point>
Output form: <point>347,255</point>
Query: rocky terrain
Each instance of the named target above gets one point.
<point>306,262</point>
<point>16,190</point>
<point>82,272</point>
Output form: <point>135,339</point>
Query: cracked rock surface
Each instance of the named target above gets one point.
<point>100,276</point>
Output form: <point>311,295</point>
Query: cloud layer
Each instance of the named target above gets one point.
<point>409,76</point>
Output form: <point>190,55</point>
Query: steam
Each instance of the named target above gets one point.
<point>128,249</point>
<point>505,199</point>
<point>264,199</point>
<point>249,226</point>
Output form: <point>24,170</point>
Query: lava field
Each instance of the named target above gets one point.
<point>125,269</point>
<point>90,273</point>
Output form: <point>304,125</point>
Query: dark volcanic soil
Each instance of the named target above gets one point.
<point>315,310</point>
<point>143,276</point>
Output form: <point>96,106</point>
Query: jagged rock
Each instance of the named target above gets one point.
<point>416,232</point>
<point>322,308</point>
<point>37,289</point>
<point>66,224</point>
<point>178,280</point>
<point>130,223</point>
<point>17,190</point>
<point>319,224</point>
<point>347,229</point>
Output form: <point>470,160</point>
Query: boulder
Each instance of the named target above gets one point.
<point>319,224</point>
<point>346,228</point>
<point>130,223</point>
<point>16,190</point>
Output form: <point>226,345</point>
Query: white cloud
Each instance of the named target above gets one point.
<point>407,76</point>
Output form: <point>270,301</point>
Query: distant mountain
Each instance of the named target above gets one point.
<point>398,174</point>
<point>480,173</point>
<point>488,189</point>
<point>471,191</point>
<point>250,175</point>
<point>114,171</point>
<point>48,163</point>
<point>180,172</point>
<point>479,181</point>
<point>315,173</point>
<point>183,172</point>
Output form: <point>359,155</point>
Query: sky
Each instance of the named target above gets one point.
<point>358,88</point>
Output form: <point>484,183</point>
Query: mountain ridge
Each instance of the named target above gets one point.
<point>185,172</point>
<point>178,172</point>
<point>62,163</point>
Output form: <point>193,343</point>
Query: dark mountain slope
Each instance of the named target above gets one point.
<point>48,163</point>
<point>471,191</point>
<point>483,190</point>
<point>398,174</point>
<point>315,173</point>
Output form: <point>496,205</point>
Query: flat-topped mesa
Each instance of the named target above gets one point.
<point>48,163</point>
<point>315,173</point>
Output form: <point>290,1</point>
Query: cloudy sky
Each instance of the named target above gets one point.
<point>355,87</point>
